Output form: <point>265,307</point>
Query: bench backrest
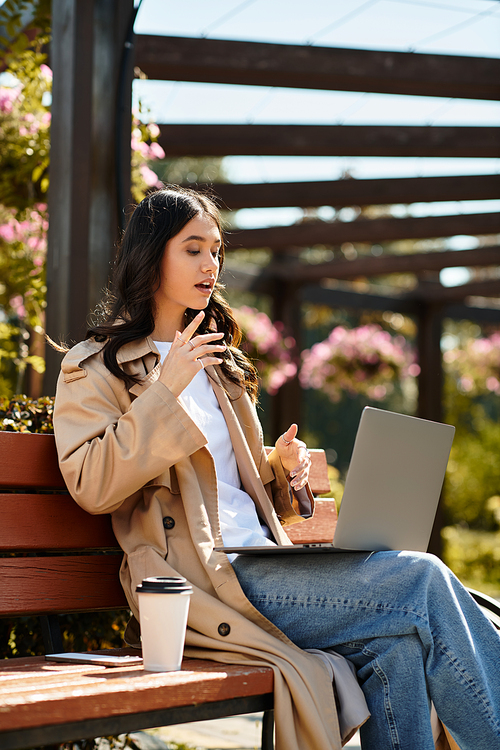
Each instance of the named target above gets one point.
<point>61,559</point>
<point>55,557</point>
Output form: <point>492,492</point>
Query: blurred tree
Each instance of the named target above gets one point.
<point>471,403</point>
<point>25,101</point>
<point>24,159</point>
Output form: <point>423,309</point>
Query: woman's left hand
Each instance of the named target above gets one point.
<point>294,457</point>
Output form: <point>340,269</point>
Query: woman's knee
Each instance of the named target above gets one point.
<point>428,569</point>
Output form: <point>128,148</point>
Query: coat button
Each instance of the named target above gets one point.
<point>224,628</point>
<point>168,522</point>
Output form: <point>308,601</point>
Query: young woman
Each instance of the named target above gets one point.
<point>155,423</point>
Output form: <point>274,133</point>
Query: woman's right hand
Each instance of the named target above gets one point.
<point>188,355</point>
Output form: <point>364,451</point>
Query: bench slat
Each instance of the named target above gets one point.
<point>52,522</point>
<point>319,528</point>
<point>318,475</point>
<point>29,460</point>
<point>56,585</point>
<point>34,692</point>
<point>111,726</point>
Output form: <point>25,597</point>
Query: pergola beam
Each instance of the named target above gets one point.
<point>329,140</point>
<point>249,279</point>
<point>340,298</point>
<point>440,294</point>
<point>365,230</point>
<point>345,298</point>
<point>367,265</point>
<point>353,192</point>
<point>310,67</point>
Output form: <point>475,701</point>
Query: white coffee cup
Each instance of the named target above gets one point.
<point>163,612</point>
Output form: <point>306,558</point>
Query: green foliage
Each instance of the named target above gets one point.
<point>25,114</point>
<point>25,97</point>
<point>474,557</point>
<point>25,133</point>
<point>22,292</point>
<point>472,489</point>
<point>23,414</point>
<point>336,486</point>
<point>22,263</point>
<point>88,631</point>
<point>473,406</point>
<point>25,101</point>
<point>474,472</point>
<point>132,741</point>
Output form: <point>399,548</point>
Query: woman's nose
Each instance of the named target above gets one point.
<point>210,263</point>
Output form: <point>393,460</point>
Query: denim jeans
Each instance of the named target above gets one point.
<point>413,633</point>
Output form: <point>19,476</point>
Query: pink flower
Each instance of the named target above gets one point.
<point>46,72</point>
<point>492,384</point>
<point>150,178</point>
<point>467,384</point>
<point>365,360</point>
<point>142,148</point>
<point>8,95</point>
<point>156,151</point>
<point>7,232</point>
<point>266,345</point>
<point>17,305</point>
<point>475,366</point>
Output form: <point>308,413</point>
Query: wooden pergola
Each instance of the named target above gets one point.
<point>93,56</point>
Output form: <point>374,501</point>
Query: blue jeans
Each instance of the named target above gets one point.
<point>411,630</point>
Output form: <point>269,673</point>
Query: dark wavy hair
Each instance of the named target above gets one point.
<point>128,310</point>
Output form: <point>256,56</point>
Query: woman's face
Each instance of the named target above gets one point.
<point>189,268</point>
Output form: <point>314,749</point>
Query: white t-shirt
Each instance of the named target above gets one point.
<point>240,524</point>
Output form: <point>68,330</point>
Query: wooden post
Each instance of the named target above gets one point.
<point>86,52</point>
<point>430,387</point>
<point>70,177</point>
<point>112,105</point>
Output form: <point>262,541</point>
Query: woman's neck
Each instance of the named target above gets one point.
<point>166,327</point>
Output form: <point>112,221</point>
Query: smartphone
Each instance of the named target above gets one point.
<point>101,659</point>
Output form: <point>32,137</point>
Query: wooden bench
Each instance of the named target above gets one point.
<point>58,559</point>
<point>55,559</point>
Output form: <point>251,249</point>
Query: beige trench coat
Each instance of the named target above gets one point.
<point>136,453</point>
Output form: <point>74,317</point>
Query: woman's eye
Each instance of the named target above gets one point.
<point>193,251</point>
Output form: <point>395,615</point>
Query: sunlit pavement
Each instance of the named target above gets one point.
<point>233,733</point>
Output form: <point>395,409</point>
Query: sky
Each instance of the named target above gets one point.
<point>457,27</point>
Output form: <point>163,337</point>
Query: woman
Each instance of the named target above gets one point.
<point>155,424</point>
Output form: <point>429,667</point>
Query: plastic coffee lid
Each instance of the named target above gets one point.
<point>164,585</point>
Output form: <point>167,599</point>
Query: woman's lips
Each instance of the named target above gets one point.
<point>204,288</point>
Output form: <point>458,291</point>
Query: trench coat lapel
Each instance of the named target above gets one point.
<point>248,471</point>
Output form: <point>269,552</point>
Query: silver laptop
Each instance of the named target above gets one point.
<point>392,487</point>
